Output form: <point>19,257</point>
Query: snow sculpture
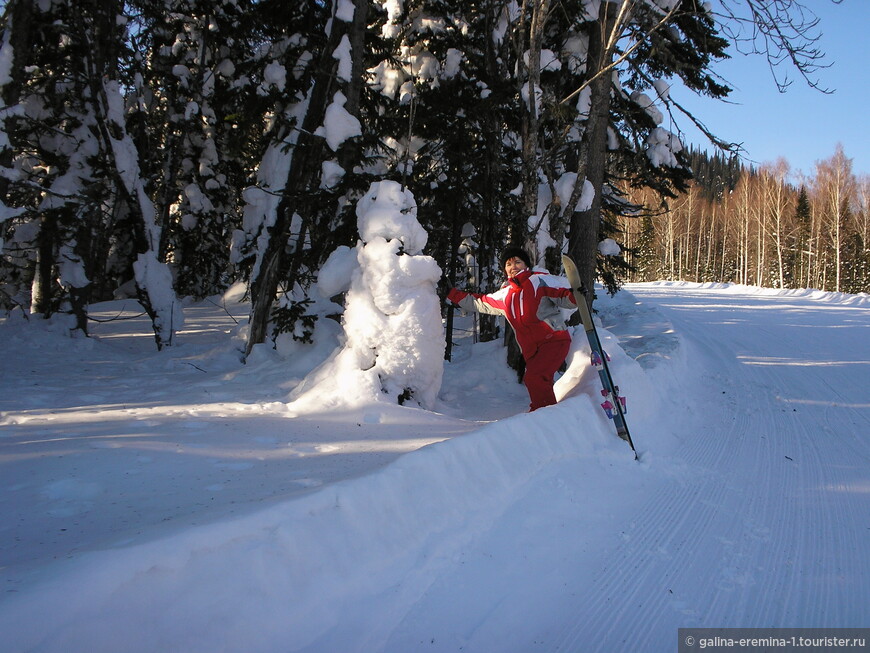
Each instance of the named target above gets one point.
<point>394,347</point>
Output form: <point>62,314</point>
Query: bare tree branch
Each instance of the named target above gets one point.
<point>784,31</point>
<point>614,36</point>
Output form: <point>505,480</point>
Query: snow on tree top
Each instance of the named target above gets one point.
<point>390,211</point>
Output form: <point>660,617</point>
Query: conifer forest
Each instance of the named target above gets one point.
<point>168,149</point>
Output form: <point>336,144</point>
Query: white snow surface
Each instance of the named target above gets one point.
<point>609,247</point>
<point>168,501</point>
<point>343,53</point>
<point>344,10</point>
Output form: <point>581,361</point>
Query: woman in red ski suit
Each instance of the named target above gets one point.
<point>531,303</point>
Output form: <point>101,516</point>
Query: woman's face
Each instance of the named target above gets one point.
<point>513,266</point>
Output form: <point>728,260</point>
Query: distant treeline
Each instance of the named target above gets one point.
<point>758,226</point>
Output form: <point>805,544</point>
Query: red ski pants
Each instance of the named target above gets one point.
<point>540,369</point>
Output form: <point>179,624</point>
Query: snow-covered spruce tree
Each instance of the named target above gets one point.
<point>503,218</point>
<point>72,145</point>
<point>297,211</point>
<point>131,185</point>
<point>187,80</point>
<point>394,344</point>
<point>30,240</point>
<point>393,312</point>
<point>481,88</point>
<point>594,80</point>
<point>621,128</point>
<point>518,68</point>
<point>650,154</point>
<point>57,128</point>
<point>454,134</point>
<point>15,258</point>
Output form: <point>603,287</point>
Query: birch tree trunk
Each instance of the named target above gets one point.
<point>835,188</point>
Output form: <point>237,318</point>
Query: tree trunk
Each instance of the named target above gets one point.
<point>20,13</point>
<point>531,124</point>
<point>305,166</point>
<point>43,277</point>
<point>584,229</point>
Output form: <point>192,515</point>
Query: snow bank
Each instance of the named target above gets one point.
<point>581,379</point>
<point>284,578</point>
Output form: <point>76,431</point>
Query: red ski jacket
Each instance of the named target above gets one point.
<point>531,303</point>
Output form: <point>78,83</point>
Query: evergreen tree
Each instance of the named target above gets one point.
<point>299,209</point>
<point>192,101</point>
<point>852,254</point>
<point>63,223</point>
<point>798,263</point>
<point>456,127</point>
<point>645,259</point>
<point>83,163</point>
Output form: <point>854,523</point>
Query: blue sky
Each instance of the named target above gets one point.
<point>802,124</point>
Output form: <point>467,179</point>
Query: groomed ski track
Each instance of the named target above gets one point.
<point>757,514</point>
<point>769,525</point>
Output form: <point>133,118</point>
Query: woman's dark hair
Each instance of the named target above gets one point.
<point>514,251</point>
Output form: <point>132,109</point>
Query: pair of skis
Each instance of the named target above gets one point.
<point>613,404</point>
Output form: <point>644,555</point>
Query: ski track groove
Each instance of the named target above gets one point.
<point>817,531</point>
<point>628,566</point>
<point>657,532</point>
<point>792,523</point>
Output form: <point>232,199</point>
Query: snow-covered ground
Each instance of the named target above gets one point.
<point>177,501</point>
